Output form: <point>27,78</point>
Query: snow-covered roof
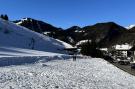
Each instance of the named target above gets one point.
<point>103,49</point>
<point>123,47</point>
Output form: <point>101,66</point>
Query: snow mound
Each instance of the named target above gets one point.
<point>17,36</point>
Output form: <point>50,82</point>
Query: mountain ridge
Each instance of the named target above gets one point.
<point>106,33</point>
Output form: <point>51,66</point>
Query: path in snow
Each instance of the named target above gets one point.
<point>66,74</point>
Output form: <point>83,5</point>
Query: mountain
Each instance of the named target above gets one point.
<point>41,27</point>
<point>129,36</point>
<point>44,28</point>
<point>105,34</point>
<point>36,25</point>
<point>12,35</point>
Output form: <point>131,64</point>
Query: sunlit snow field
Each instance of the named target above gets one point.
<point>92,73</point>
<point>25,65</point>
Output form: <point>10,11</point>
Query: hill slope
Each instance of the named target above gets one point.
<point>21,37</point>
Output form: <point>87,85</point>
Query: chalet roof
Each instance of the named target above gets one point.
<point>104,49</point>
<point>123,47</point>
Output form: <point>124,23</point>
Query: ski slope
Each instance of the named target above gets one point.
<point>17,56</point>
<point>12,35</point>
<point>19,52</point>
<point>90,73</point>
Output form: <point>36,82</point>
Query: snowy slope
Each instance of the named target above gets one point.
<point>66,74</point>
<point>82,42</point>
<point>19,52</point>
<point>18,56</point>
<point>65,44</point>
<point>20,37</point>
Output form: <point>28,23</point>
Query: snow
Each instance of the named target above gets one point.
<point>79,31</point>
<point>46,33</point>
<point>123,47</point>
<point>65,44</point>
<point>90,73</point>
<point>16,56</point>
<point>82,42</point>
<point>104,49</point>
<point>131,26</point>
<point>18,23</point>
<point>29,60</point>
<point>22,20</point>
<point>17,36</point>
<point>19,52</point>
<point>70,39</point>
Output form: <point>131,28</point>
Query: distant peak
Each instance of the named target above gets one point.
<point>130,26</point>
<point>107,23</point>
<point>75,27</point>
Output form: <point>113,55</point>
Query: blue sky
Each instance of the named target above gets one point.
<point>66,13</point>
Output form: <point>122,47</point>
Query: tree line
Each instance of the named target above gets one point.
<point>91,49</point>
<point>5,17</point>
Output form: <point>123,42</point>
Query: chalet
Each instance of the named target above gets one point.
<point>121,52</point>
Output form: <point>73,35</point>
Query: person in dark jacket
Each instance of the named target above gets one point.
<point>74,57</point>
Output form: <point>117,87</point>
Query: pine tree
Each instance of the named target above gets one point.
<point>90,49</point>
<point>2,16</point>
<point>6,17</point>
<point>86,48</point>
